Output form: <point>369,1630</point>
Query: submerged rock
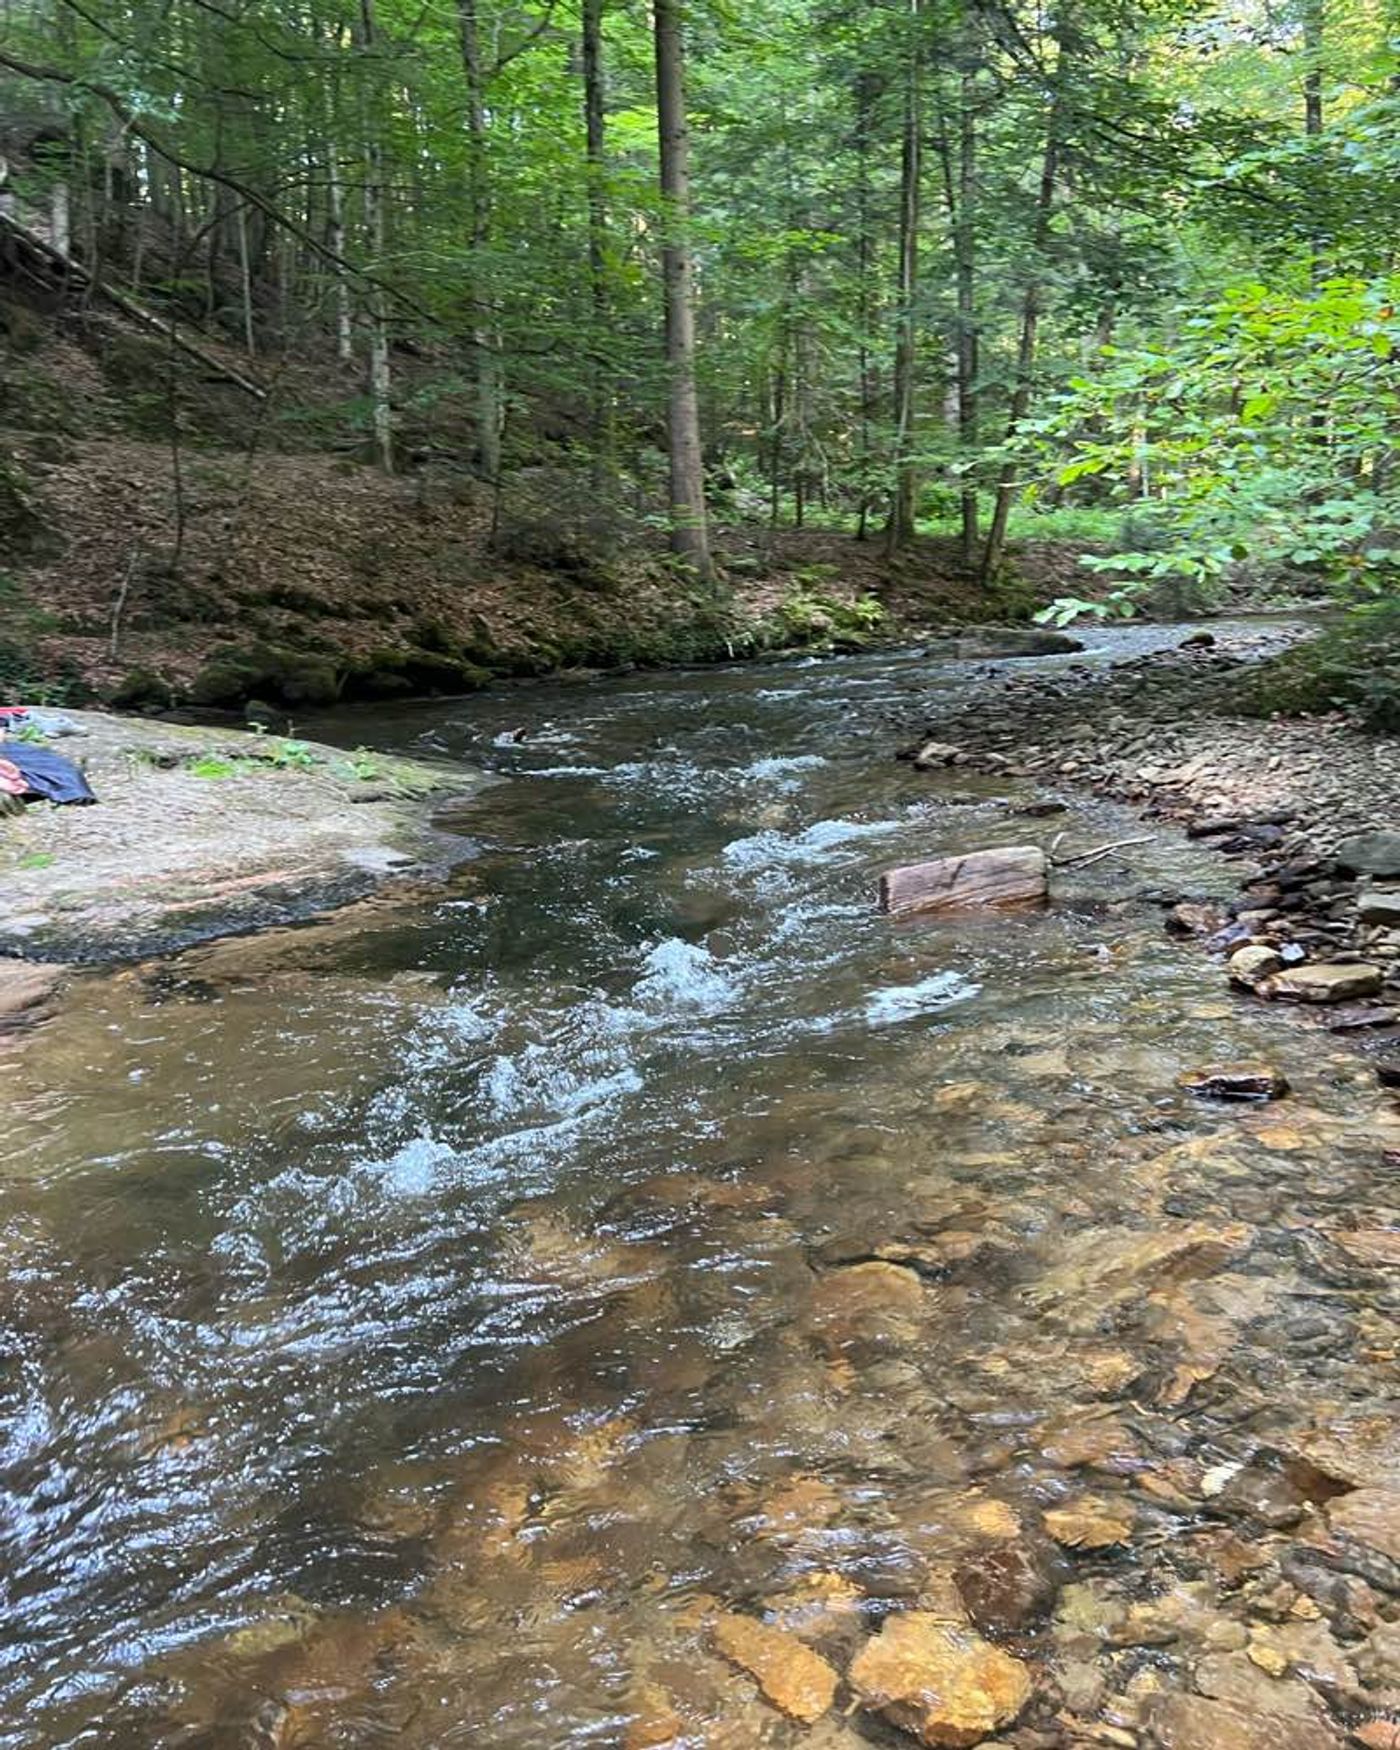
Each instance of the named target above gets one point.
<point>1192,1722</point>
<point>1238,1081</point>
<point>1369,1516</point>
<point>1090,1523</point>
<point>796,1680</point>
<point>1007,1588</point>
<point>939,1681</point>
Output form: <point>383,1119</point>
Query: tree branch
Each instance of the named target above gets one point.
<point>135,126</point>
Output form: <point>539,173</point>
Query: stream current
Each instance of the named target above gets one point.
<point>420,1327</point>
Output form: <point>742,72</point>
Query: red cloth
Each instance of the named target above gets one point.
<point>12,780</point>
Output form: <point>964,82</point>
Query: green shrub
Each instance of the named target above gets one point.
<point>1353,666</point>
<point>809,617</point>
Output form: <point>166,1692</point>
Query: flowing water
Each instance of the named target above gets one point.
<point>420,1326</point>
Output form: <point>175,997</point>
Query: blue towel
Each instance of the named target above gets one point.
<point>47,773</point>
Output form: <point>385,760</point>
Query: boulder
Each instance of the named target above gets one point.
<point>1013,875</point>
<point>1330,982</point>
<point>1249,965</point>
<point>1236,1081</point>
<point>939,1681</point>
<point>1370,853</point>
<point>933,754</point>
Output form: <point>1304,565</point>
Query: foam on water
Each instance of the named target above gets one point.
<point>763,849</point>
<point>683,977</point>
<point>902,1002</point>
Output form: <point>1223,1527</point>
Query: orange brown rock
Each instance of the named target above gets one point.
<point>796,1680</point>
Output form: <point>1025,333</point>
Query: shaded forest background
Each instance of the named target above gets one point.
<point>376,347</point>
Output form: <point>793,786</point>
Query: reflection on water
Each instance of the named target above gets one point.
<point>437,1325</point>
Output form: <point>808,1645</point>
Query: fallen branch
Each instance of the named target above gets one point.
<point>130,307</point>
<point>1084,858</point>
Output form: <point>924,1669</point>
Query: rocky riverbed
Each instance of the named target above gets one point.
<point>1304,809</point>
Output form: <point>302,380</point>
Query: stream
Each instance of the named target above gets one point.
<point>423,1326</point>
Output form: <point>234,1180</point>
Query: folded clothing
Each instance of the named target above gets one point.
<point>44,773</point>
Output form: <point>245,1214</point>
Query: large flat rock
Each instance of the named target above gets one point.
<point>199,833</point>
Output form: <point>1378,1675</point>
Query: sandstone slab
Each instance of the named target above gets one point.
<point>796,1680</point>
<point>943,1684</point>
<point>1333,981</point>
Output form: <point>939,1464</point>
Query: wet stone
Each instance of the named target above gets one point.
<point>796,1680</point>
<point>1091,1523</point>
<point>1250,964</point>
<point>941,1683</point>
<point>1330,982</point>
<point>1236,1081</point>
<point>1192,1722</point>
<point>1007,1588</point>
<point>1368,1516</point>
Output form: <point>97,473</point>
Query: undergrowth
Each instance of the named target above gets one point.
<point>1353,667</point>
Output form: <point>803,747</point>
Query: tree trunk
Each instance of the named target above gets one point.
<point>864,98</point>
<point>965,252</point>
<point>381,407</point>
<point>901,521</point>
<point>596,147</point>
<point>689,534</point>
<point>484,340</point>
<point>1031,302</point>
<point>335,195</point>
<point>1313,119</point>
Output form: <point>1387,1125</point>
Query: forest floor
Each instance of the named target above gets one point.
<point>1305,808</point>
<point>200,833</point>
<point>303,579</point>
<point>259,558</point>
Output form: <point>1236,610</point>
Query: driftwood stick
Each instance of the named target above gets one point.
<point>1086,857</point>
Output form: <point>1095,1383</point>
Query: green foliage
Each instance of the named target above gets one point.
<point>211,766</point>
<point>363,765</point>
<point>1352,667</point>
<point>807,616</point>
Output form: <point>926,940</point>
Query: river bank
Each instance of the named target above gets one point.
<point>202,832</point>
<point>1303,809</point>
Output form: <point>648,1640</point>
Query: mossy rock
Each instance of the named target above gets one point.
<point>388,674</point>
<point>231,676</point>
<point>142,689</point>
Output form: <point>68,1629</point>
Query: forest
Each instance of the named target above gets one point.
<point>1119,276</point>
